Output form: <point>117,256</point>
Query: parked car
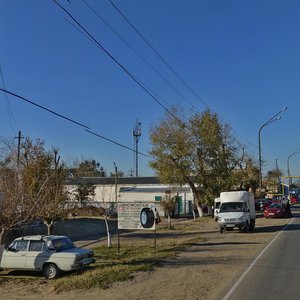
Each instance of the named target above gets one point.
<point>294,199</point>
<point>50,254</point>
<point>276,210</point>
<point>262,204</point>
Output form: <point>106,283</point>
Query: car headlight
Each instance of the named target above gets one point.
<point>241,218</point>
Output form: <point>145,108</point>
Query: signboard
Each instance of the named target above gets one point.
<point>136,215</point>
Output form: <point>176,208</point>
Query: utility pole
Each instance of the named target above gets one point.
<point>116,183</point>
<point>19,137</point>
<point>278,178</point>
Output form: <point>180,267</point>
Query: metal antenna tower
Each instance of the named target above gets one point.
<point>136,132</point>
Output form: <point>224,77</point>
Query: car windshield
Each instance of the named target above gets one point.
<point>62,244</point>
<point>233,207</point>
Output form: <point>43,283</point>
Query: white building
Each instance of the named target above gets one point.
<point>109,190</point>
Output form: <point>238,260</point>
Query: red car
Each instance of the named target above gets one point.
<point>276,210</point>
<point>262,204</point>
<point>294,199</point>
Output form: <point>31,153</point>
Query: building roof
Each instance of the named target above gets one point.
<point>112,180</point>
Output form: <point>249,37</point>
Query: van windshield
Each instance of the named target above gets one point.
<point>233,207</point>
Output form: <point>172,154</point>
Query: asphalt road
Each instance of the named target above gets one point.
<point>275,273</point>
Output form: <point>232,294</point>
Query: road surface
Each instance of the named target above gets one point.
<point>275,273</point>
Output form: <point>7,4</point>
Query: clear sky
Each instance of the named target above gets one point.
<point>240,57</point>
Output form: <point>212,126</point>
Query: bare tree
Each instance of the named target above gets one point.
<point>22,183</point>
<point>53,200</point>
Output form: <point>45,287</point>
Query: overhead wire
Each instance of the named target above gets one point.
<point>84,31</point>
<point>165,62</point>
<point>158,54</point>
<point>137,53</point>
<point>139,82</point>
<point>43,107</point>
<point>100,46</point>
<point>9,110</point>
<point>86,128</point>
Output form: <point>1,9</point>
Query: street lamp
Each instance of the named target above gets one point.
<point>288,165</point>
<point>270,121</point>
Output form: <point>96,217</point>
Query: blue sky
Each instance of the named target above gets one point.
<point>241,58</point>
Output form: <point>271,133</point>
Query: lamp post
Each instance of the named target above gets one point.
<point>288,165</point>
<point>276,117</point>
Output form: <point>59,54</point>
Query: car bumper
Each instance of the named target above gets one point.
<point>82,263</point>
<point>239,224</point>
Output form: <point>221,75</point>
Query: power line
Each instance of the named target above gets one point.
<point>158,54</point>
<point>9,110</point>
<point>116,61</point>
<point>88,35</point>
<point>136,52</point>
<point>44,108</point>
<point>165,62</point>
<point>84,31</point>
<point>86,128</point>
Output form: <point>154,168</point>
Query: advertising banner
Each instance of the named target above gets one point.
<point>136,215</point>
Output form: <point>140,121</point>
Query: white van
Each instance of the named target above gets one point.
<point>217,204</point>
<point>237,210</point>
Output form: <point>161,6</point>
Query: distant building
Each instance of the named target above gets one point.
<point>132,189</point>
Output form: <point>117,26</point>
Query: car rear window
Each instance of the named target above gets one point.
<point>62,244</point>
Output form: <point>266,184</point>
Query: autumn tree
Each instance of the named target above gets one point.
<point>88,168</point>
<point>246,173</point>
<point>273,180</point>
<point>84,191</point>
<point>200,152</point>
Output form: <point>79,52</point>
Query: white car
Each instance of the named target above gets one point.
<point>50,254</point>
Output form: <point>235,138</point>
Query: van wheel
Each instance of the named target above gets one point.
<point>51,271</point>
<point>247,228</point>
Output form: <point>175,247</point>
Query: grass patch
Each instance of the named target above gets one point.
<point>111,267</point>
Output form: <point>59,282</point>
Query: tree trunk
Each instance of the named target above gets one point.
<point>107,232</point>
<point>200,210</point>
<point>3,236</point>
<point>50,227</point>
<point>169,221</point>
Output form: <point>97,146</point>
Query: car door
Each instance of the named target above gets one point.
<point>36,255</point>
<point>15,256</point>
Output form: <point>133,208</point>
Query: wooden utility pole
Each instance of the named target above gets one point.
<point>19,137</point>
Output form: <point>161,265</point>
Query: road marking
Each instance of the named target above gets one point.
<point>230,292</point>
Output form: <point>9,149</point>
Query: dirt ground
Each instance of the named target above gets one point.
<point>203,271</point>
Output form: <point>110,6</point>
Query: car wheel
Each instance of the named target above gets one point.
<point>50,271</point>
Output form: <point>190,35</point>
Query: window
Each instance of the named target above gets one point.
<point>36,246</point>
<point>20,245</point>
<point>157,198</point>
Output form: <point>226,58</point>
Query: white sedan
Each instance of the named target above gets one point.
<point>50,254</point>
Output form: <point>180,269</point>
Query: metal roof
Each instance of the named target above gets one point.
<point>112,180</point>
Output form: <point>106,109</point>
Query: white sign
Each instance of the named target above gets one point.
<point>136,215</point>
